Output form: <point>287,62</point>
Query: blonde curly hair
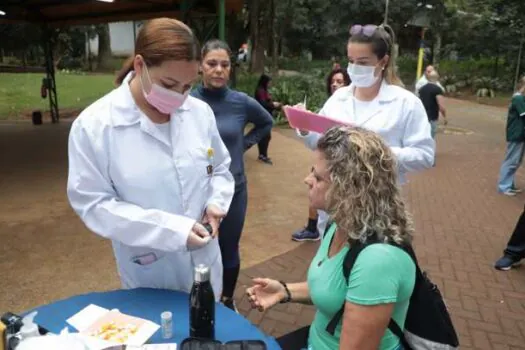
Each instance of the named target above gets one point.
<point>364,197</point>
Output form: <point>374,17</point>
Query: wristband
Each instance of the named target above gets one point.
<point>288,297</point>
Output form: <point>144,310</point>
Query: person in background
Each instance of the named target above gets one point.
<point>263,96</point>
<point>147,166</point>
<point>335,63</point>
<point>376,100</point>
<point>515,142</point>
<point>515,250</point>
<point>354,174</point>
<point>432,97</point>
<point>424,79</point>
<point>233,111</point>
<point>335,80</point>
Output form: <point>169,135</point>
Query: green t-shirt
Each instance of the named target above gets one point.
<point>381,274</point>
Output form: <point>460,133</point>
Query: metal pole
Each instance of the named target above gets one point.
<point>518,65</point>
<point>50,75</point>
<point>421,54</point>
<point>222,20</point>
<point>386,11</point>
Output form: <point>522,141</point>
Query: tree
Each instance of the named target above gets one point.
<point>259,24</point>
<point>26,41</point>
<point>104,47</point>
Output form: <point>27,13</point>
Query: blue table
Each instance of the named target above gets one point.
<point>149,304</point>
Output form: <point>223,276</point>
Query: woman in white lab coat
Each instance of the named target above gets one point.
<point>147,167</point>
<point>376,100</point>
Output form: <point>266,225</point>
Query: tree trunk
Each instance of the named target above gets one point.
<point>236,33</point>
<point>275,38</point>
<point>257,34</point>
<point>496,62</point>
<point>436,57</point>
<point>286,23</point>
<point>104,48</point>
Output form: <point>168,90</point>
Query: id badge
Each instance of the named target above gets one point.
<point>210,154</point>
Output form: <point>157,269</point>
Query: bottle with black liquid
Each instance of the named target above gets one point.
<point>202,305</point>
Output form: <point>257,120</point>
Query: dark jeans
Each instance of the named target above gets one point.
<point>516,244</point>
<point>264,144</point>
<point>296,340</point>
<point>231,227</point>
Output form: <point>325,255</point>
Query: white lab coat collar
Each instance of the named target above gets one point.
<point>127,111</point>
<point>387,93</point>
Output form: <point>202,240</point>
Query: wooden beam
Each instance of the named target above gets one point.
<point>92,12</point>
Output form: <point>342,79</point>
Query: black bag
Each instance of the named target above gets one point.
<point>207,344</point>
<point>428,325</point>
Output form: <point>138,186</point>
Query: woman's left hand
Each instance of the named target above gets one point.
<point>213,217</point>
<point>265,293</point>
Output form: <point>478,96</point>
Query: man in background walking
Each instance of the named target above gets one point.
<point>431,94</point>
<point>424,80</point>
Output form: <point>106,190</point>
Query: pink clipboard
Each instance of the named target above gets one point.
<point>306,120</point>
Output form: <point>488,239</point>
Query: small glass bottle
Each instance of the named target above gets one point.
<point>166,319</point>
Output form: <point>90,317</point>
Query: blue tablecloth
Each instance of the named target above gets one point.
<point>149,304</point>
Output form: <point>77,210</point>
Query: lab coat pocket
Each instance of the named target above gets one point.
<point>144,268</point>
<point>147,259</point>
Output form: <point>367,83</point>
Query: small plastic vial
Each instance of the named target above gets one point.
<point>166,324</point>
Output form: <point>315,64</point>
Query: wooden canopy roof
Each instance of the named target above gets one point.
<point>74,12</point>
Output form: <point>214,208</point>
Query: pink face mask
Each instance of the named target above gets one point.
<point>164,100</point>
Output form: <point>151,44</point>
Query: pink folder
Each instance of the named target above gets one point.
<point>306,120</point>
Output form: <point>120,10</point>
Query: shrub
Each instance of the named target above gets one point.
<point>289,90</point>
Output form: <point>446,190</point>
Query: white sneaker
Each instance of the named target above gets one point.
<point>509,193</point>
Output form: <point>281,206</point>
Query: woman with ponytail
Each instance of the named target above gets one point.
<point>377,100</point>
<point>148,169</point>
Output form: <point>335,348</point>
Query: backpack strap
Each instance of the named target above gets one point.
<point>393,326</point>
<point>398,332</point>
<point>329,224</point>
<point>348,264</point>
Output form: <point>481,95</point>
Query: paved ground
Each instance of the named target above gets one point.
<point>43,241</point>
<point>462,226</point>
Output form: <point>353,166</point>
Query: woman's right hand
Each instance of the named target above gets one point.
<point>198,237</point>
<point>302,107</point>
<point>265,293</point>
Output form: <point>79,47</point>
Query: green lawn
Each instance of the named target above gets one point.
<point>20,92</point>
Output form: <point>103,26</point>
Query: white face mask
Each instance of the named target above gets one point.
<point>362,76</point>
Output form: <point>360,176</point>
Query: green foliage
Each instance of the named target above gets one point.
<point>407,69</point>
<point>477,74</point>
<point>289,91</point>
<point>26,41</point>
<point>246,83</point>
